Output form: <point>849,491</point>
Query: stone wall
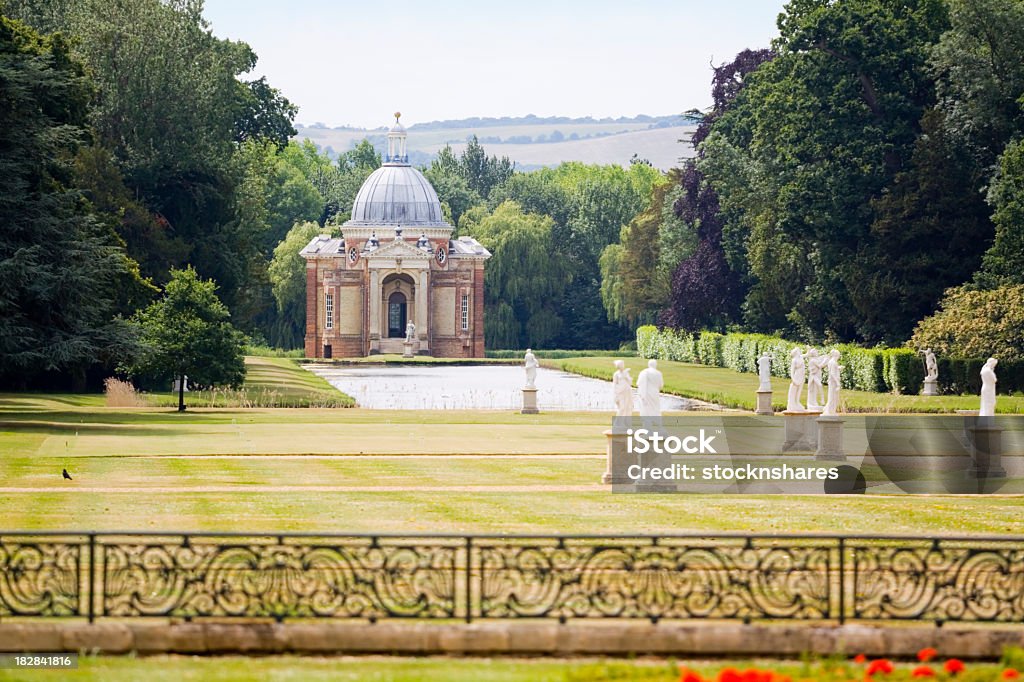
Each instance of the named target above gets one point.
<point>546,638</point>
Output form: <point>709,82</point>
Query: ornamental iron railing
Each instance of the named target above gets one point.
<point>299,576</point>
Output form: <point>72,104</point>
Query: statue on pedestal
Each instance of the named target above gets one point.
<point>814,388</point>
<point>834,384</point>
<point>410,332</point>
<point>764,371</point>
<point>930,365</point>
<point>622,389</point>
<point>988,388</point>
<point>649,384</point>
<point>796,381</point>
<point>530,364</point>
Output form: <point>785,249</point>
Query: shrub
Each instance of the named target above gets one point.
<point>121,394</point>
<point>976,324</point>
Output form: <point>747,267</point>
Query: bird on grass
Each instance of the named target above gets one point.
<point>67,476</point>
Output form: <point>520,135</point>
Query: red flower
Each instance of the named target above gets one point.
<point>729,675</point>
<point>1010,674</point>
<point>926,654</point>
<point>860,659</point>
<point>954,666</point>
<point>690,676</point>
<point>922,671</point>
<point>881,665</point>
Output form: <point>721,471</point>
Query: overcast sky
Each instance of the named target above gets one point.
<point>353,63</point>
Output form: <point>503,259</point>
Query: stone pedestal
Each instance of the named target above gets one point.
<point>830,439</point>
<point>409,349</point>
<point>986,441</point>
<point>615,443</point>
<point>801,431</point>
<point>764,403</point>
<point>931,387</point>
<point>530,401</point>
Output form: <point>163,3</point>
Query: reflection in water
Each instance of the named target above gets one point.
<point>480,387</point>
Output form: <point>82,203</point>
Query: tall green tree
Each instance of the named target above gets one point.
<point>812,139</point>
<point>288,278</point>
<point>523,281</point>
<point>172,106</point>
<point>64,274</point>
<point>978,65</point>
<point>188,333</point>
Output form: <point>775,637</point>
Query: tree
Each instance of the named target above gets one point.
<point>706,287</point>
<point>288,279</point>
<point>64,274</point>
<point>976,324</point>
<point>1004,261</point>
<point>928,212</point>
<point>171,107</point>
<point>188,332</point>
<point>480,172</point>
<point>811,140</point>
<point>523,280</point>
<point>978,65</point>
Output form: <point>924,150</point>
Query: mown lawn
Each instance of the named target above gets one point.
<point>735,389</point>
<point>269,382</point>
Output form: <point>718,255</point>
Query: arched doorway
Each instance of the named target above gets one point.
<point>397,315</point>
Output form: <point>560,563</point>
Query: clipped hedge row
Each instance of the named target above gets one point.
<point>899,370</point>
<point>896,370</point>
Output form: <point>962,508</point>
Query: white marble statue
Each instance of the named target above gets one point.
<point>530,364</point>
<point>835,384</point>
<point>649,384</point>
<point>176,387</point>
<point>764,371</point>
<point>988,388</point>
<point>410,332</point>
<point>622,389</point>
<point>930,365</point>
<point>815,392</point>
<point>796,381</point>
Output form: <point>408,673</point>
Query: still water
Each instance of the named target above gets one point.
<point>480,387</point>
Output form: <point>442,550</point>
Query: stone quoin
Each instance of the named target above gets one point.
<point>395,263</point>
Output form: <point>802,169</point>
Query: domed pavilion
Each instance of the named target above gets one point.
<point>395,263</point>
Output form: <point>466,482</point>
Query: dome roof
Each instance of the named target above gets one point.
<point>397,194</point>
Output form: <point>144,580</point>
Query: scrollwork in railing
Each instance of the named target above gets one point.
<point>656,581</point>
<point>295,580</point>
<point>124,575</point>
<point>939,582</point>
<point>40,577</point>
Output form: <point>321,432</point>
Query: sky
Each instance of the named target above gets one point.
<point>354,63</point>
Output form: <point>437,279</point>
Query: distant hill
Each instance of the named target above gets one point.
<point>532,141</point>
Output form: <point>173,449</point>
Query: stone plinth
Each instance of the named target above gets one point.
<point>615,448</point>
<point>409,349</point>
<point>830,439</point>
<point>764,403</point>
<point>530,401</point>
<point>931,387</point>
<point>986,441</point>
<point>801,431</point>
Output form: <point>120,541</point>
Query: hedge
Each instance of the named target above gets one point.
<point>896,370</point>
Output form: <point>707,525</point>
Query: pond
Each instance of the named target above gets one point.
<point>478,387</point>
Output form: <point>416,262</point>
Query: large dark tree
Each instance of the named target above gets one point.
<point>172,107</point>
<point>63,273</point>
